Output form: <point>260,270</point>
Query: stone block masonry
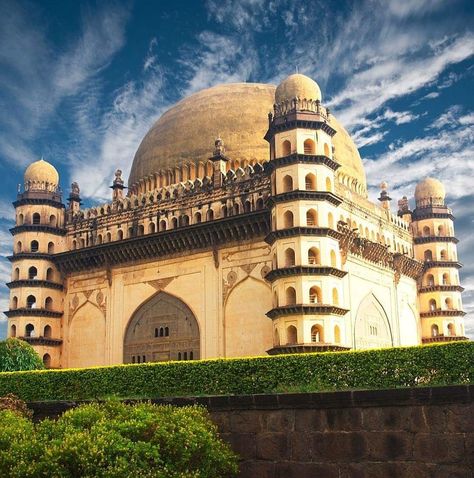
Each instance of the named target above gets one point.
<point>419,432</point>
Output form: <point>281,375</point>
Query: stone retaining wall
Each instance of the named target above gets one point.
<point>421,432</point>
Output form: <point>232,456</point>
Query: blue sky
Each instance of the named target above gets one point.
<point>82,82</point>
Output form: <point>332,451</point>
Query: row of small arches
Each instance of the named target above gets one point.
<point>439,231</point>
<point>429,256</point>
<point>309,147</point>
<point>309,182</point>
<point>430,280</point>
<point>30,331</point>
<point>314,296</point>
<point>451,330</point>
<point>448,305</point>
<point>311,219</point>
<point>34,247</point>
<point>317,335</point>
<point>31,303</point>
<point>33,274</point>
<point>36,219</point>
<point>313,257</point>
<point>174,223</point>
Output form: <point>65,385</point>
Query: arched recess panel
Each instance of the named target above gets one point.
<point>372,329</point>
<point>163,328</point>
<point>248,331</point>
<point>409,330</point>
<point>87,337</point>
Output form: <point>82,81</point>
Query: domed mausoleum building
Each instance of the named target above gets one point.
<point>245,230</point>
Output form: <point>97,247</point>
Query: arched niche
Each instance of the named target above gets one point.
<point>87,337</point>
<point>372,328</point>
<point>409,328</point>
<point>162,311</point>
<point>248,331</point>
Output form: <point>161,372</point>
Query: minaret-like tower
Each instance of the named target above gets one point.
<point>306,278</point>
<point>36,290</point>
<point>435,244</point>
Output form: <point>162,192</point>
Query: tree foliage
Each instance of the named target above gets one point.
<point>17,355</point>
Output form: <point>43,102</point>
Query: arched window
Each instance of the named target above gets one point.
<point>276,338</point>
<point>247,206</point>
<point>432,304</point>
<point>32,273</point>
<point>430,280</point>
<point>236,210</point>
<point>18,246</point>
<point>291,335</point>
<point>446,279</point>
<point>428,255</point>
<point>224,212</point>
<point>179,355</point>
<point>15,302</point>
<point>209,215</point>
<point>444,255</point>
<point>162,225</point>
<point>259,204</point>
<point>289,257</point>
<point>29,330</point>
<point>119,234</point>
<point>330,221</point>
<point>326,150</point>
<point>174,222</point>
<point>16,274</point>
<point>197,218</point>
<point>440,230</point>
<point>185,356</point>
<point>287,183</point>
<point>52,220</point>
<point>47,360</point>
<point>167,331</point>
<point>141,230</point>
<point>337,335</point>
<point>311,218</point>
<point>34,246</point>
<point>290,296</point>
<point>333,259</point>
<point>310,182</point>
<point>286,148</point>
<point>434,330</point>
<point>448,303</point>
<point>31,302</point>
<point>47,331</point>
<point>48,303</point>
<point>99,238</point>
<point>49,274</point>
<point>314,256</point>
<point>21,219</point>
<point>315,295</point>
<point>288,219</point>
<point>309,147</point>
<point>151,228</point>
<point>328,185</point>
<point>184,220</point>
<point>426,231</point>
<point>317,334</point>
<point>162,332</point>
<point>451,330</point>
<point>82,242</point>
<point>335,297</point>
<point>191,355</point>
<point>74,245</point>
<point>36,218</point>
<point>13,331</point>
<point>50,248</point>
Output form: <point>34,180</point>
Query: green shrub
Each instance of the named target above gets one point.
<point>17,355</point>
<point>438,364</point>
<point>117,441</point>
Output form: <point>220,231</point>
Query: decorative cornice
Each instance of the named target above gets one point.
<point>432,213</point>
<point>433,264</point>
<point>304,270</point>
<point>442,313</point>
<point>24,311</point>
<point>297,158</point>
<point>302,309</point>
<point>428,239</point>
<point>297,120</point>
<point>305,348</point>
<point>202,236</point>
<point>45,341</point>
<point>299,195</point>
<point>38,228</point>
<point>34,283</point>
<point>29,255</point>
<point>442,338</point>
<point>441,288</point>
<point>29,201</point>
<point>302,231</point>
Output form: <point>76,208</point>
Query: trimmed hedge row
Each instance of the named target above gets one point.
<point>437,364</point>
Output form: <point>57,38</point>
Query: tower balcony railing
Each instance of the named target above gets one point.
<point>442,313</point>
<point>307,348</point>
<point>443,338</point>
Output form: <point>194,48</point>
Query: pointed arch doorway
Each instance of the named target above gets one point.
<point>162,329</point>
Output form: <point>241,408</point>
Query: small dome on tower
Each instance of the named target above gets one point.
<point>41,175</point>
<point>430,191</point>
<point>297,85</point>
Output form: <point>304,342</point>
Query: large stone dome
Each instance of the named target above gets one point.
<point>41,173</point>
<point>237,112</point>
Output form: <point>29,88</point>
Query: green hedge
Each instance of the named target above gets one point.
<point>438,364</point>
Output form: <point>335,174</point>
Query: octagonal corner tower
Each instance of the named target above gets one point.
<point>238,113</point>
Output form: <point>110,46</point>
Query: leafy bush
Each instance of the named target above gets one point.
<point>17,355</point>
<point>115,440</point>
<point>438,364</point>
